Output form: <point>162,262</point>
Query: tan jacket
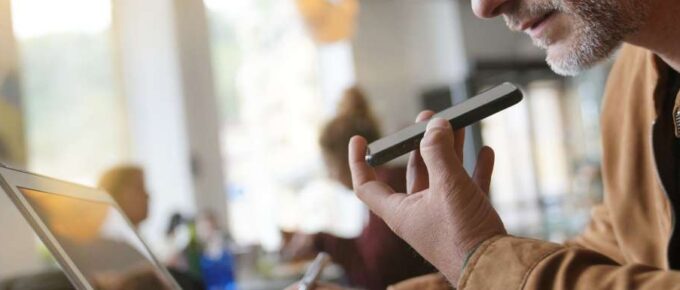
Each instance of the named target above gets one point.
<point>625,244</point>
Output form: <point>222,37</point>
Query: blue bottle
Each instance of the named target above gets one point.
<point>218,270</point>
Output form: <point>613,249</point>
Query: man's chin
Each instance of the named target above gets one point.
<point>563,69</point>
<point>569,59</point>
<point>563,61</point>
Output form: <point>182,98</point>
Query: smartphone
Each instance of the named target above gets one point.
<point>462,115</point>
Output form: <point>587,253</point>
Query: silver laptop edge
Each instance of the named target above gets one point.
<point>36,223</point>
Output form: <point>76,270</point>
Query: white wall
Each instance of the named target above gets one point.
<point>403,48</point>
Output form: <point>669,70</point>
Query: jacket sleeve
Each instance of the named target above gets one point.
<point>598,235</point>
<point>507,262</point>
<point>435,281</point>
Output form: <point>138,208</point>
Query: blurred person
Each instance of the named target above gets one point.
<point>377,257</point>
<point>126,185</point>
<point>632,241</point>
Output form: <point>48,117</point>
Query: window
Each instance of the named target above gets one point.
<point>547,174</point>
<point>268,87</point>
<point>73,110</point>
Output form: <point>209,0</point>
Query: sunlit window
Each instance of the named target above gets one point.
<point>73,108</point>
<point>545,179</point>
<point>267,71</point>
<point>36,18</point>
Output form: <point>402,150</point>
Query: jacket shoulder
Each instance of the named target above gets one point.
<point>630,86</point>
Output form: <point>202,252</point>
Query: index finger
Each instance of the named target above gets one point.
<point>361,171</point>
<point>416,171</point>
<point>378,196</point>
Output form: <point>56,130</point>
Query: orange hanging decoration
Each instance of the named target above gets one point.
<point>329,21</point>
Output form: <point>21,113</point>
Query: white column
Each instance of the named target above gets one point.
<point>167,79</point>
<point>151,81</point>
<point>202,121</point>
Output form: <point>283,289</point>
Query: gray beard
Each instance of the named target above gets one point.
<point>600,28</point>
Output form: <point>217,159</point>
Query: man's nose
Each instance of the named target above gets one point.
<point>488,8</point>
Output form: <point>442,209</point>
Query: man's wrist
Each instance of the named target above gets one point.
<point>468,255</point>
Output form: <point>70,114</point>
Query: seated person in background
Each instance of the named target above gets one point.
<point>126,185</point>
<point>376,258</point>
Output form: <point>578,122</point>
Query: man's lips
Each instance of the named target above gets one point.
<point>533,23</point>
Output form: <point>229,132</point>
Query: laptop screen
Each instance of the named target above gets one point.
<point>99,241</point>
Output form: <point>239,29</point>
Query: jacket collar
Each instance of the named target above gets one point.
<point>657,77</point>
<point>658,73</point>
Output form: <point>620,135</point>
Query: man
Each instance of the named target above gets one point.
<point>631,242</point>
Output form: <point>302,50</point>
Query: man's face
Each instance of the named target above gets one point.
<point>577,34</point>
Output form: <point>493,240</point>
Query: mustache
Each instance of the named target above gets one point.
<point>523,11</point>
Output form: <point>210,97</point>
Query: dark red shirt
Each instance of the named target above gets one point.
<point>377,258</point>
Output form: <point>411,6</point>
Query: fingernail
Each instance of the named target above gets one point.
<point>437,123</point>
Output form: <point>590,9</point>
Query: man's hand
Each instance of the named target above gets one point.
<point>446,213</point>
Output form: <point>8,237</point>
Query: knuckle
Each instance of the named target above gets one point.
<point>359,191</point>
<point>433,140</point>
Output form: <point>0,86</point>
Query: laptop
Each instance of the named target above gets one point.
<point>86,232</point>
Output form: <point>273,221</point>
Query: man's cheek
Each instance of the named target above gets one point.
<point>562,29</point>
